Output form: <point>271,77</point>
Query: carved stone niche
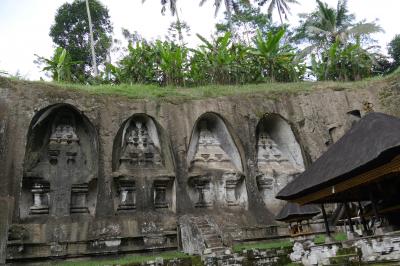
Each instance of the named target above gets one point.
<point>215,166</point>
<point>142,162</point>
<point>279,158</point>
<point>233,189</point>
<point>209,152</point>
<point>163,192</point>
<point>140,145</point>
<point>203,191</point>
<point>266,186</point>
<point>40,197</point>
<point>79,194</point>
<point>126,194</point>
<point>61,153</point>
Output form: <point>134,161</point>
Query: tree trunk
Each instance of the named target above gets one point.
<point>229,15</point>
<point>178,21</point>
<point>94,64</point>
<point>280,14</point>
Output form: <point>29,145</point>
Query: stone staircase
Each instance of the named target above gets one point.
<point>203,237</point>
<point>212,239</point>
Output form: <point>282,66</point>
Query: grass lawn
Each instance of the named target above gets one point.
<point>263,245</point>
<point>126,260</point>
<point>320,239</point>
<point>139,91</point>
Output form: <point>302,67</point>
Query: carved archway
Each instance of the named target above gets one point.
<point>216,176</point>
<point>279,158</point>
<point>61,164</point>
<point>143,167</point>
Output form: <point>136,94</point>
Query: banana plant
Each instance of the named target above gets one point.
<point>59,65</point>
<point>343,62</point>
<point>173,63</point>
<point>277,60</point>
<point>140,64</point>
<point>218,58</point>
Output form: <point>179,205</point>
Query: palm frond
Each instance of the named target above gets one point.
<point>365,28</point>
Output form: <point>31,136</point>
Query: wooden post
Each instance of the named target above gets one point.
<point>364,223</point>
<point>374,207</point>
<point>328,233</point>
<point>347,209</point>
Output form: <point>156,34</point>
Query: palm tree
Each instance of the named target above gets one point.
<point>230,6</point>
<point>281,5</point>
<point>328,24</point>
<point>174,12</point>
<point>94,64</point>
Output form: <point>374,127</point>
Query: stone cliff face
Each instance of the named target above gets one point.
<point>88,174</point>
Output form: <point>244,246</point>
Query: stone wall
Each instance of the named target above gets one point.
<point>90,174</point>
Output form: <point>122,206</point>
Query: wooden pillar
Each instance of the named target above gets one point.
<point>347,209</point>
<point>328,233</point>
<point>364,223</point>
<point>374,205</point>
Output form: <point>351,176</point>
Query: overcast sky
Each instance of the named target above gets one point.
<point>25,24</point>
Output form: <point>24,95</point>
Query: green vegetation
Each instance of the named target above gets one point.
<point>394,51</point>
<point>248,48</point>
<point>130,260</point>
<point>71,32</point>
<point>174,94</point>
<point>278,244</point>
<point>320,239</point>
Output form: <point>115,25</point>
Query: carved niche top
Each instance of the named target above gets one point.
<point>140,149</point>
<point>64,130</point>
<point>209,153</point>
<point>272,160</point>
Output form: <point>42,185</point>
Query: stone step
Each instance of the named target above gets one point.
<point>218,249</point>
<point>212,239</point>
<point>203,227</point>
<point>206,235</point>
<point>213,244</point>
<point>208,232</point>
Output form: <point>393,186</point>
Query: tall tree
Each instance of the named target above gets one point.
<point>245,23</point>
<point>326,25</point>
<point>94,65</point>
<point>281,5</point>
<point>231,6</point>
<point>171,4</point>
<point>394,50</point>
<point>71,31</point>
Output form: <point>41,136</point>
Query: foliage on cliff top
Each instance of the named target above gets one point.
<point>153,92</point>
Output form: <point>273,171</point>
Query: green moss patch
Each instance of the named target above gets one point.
<point>279,244</point>
<point>130,260</point>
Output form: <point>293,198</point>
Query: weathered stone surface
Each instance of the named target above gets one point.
<point>5,219</point>
<point>129,197</point>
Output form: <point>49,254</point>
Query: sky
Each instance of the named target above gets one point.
<point>25,24</point>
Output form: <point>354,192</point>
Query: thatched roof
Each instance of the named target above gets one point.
<point>294,212</point>
<point>371,142</point>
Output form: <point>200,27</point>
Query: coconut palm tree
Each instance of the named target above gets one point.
<point>329,24</point>
<point>230,6</point>
<point>164,3</point>
<point>174,12</point>
<point>94,64</point>
<point>281,5</point>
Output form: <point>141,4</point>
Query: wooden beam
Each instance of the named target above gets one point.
<point>392,167</point>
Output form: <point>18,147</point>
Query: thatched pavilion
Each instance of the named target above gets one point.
<point>294,214</point>
<point>364,165</point>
